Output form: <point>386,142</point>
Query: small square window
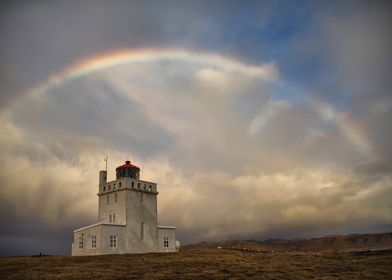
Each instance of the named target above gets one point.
<point>166,242</point>
<point>112,218</point>
<point>113,241</point>
<point>93,241</point>
<point>81,241</point>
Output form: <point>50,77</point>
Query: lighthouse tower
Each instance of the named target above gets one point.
<point>127,218</point>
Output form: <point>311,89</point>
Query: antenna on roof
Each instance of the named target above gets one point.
<point>106,163</point>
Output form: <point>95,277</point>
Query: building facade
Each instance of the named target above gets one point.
<point>127,218</point>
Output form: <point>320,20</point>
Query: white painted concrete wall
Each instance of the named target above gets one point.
<point>170,233</point>
<point>139,212</point>
<point>102,233</point>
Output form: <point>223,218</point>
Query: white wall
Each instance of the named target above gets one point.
<point>170,233</point>
<point>102,233</point>
<point>142,212</point>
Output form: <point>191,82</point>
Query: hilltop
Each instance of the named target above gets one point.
<point>369,241</point>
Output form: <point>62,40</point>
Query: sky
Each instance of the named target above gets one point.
<point>257,119</point>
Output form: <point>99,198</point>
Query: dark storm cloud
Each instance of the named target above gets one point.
<point>91,107</point>
<point>359,45</point>
<point>39,239</point>
<point>40,37</point>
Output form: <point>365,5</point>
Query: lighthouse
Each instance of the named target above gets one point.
<point>127,218</point>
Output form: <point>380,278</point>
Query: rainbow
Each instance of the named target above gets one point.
<point>115,58</point>
<point>352,130</point>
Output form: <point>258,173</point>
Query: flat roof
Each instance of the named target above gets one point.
<point>98,224</point>
<point>167,227</point>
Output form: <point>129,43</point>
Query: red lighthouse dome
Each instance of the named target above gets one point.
<point>128,170</point>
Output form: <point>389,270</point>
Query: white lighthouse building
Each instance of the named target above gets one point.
<point>127,218</point>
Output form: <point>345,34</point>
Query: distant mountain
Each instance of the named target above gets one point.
<point>369,241</point>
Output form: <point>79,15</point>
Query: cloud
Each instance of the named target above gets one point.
<point>40,38</point>
<point>266,115</point>
<point>243,164</point>
<point>257,205</point>
<point>359,43</point>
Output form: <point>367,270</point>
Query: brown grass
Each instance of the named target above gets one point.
<point>204,264</point>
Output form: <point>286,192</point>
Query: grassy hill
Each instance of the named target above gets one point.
<point>204,264</point>
<point>355,256</point>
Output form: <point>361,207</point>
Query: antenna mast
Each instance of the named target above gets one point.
<point>106,163</point>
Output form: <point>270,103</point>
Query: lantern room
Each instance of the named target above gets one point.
<point>128,170</point>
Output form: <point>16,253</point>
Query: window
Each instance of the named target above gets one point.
<point>109,188</point>
<point>133,184</point>
<point>104,188</point>
<point>93,241</point>
<point>107,199</point>
<point>113,241</point>
<point>166,242</point>
<point>115,197</point>
<point>138,185</point>
<point>150,188</point>
<point>142,231</point>
<point>119,185</point>
<point>112,218</point>
<point>141,197</point>
<point>114,186</point>
<point>81,241</point>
